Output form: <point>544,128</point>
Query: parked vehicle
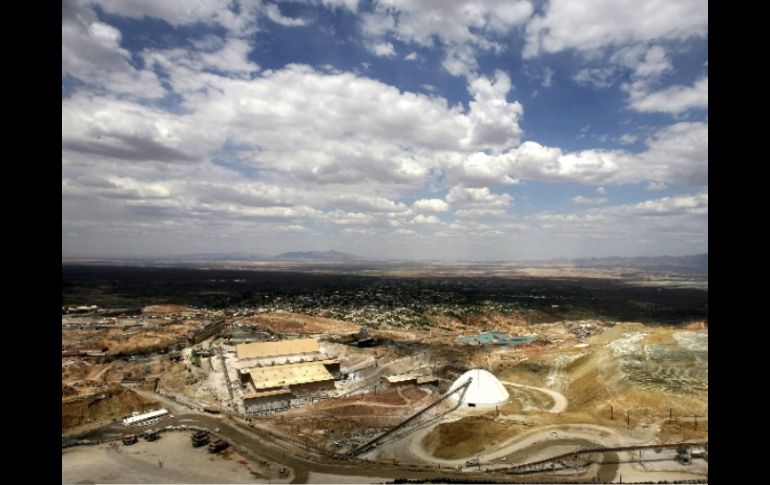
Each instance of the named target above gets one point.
<point>129,439</point>
<point>200,438</point>
<point>472,462</point>
<point>218,446</point>
<point>151,435</point>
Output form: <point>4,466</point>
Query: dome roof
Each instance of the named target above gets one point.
<point>485,389</point>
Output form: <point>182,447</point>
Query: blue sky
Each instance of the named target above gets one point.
<point>451,129</point>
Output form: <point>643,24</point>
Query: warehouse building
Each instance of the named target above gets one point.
<point>298,378</point>
<point>280,352</point>
<point>273,388</point>
<point>283,352</point>
<point>265,401</point>
<point>273,374</point>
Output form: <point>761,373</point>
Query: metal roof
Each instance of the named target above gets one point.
<point>400,378</point>
<point>288,375</point>
<point>281,347</point>
<point>143,417</point>
<point>277,392</point>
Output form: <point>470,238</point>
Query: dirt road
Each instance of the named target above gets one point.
<point>559,401</point>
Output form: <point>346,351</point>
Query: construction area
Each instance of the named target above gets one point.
<point>413,400</point>
<point>489,395</point>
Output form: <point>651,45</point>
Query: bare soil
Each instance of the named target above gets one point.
<point>101,406</point>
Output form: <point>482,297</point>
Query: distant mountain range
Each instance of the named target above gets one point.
<point>317,256</point>
<point>697,263</point>
<point>288,256</point>
<point>694,264</point>
<point>218,257</point>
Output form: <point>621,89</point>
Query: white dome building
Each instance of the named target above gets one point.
<point>485,389</point>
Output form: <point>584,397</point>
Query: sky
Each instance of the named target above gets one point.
<point>389,129</point>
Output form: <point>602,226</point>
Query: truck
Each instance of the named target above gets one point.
<point>129,439</point>
<point>200,438</point>
<point>218,446</point>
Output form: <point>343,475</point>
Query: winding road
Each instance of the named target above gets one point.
<point>559,401</point>
<point>300,462</point>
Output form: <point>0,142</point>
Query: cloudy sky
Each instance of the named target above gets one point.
<point>440,129</point>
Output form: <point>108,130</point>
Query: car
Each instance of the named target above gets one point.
<point>129,439</point>
<point>218,446</point>
<point>200,438</point>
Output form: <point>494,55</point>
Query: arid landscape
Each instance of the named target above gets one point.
<point>384,241</point>
<point>630,377</point>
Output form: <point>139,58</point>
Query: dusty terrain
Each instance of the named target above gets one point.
<point>629,378</point>
<point>171,459</point>
<point>162,309</point>
<point>294,323</point>
<point>586,380</point>
<point>101,406</point>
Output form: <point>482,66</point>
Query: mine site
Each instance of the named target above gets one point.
<point>249,375</point>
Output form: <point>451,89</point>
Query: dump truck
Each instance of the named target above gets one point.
<point>218,446</point>
<point>200,438</point>
<point>129,439</point>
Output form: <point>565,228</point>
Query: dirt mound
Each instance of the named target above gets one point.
<point>684,430</point>
<point>701,325</point>
<point>111,402</point>
<point>74,370</point>
<point>389,397</point>
<point>285,322</point>
<point>167,309</point>
<point>467,437</point>
<point>68,391</point>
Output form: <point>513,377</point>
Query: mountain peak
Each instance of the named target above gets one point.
<point>331,255</point>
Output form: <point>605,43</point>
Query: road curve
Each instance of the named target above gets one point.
<point>559,401</point>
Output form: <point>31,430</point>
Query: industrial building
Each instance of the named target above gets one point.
<point>298,377</point>
<point>274,373</point>
<point>272,388</point>
<point>260,355</point>
<point>280,352</point>
<point>259,402</point>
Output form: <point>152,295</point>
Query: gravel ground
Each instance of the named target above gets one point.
<point>172,459</point>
